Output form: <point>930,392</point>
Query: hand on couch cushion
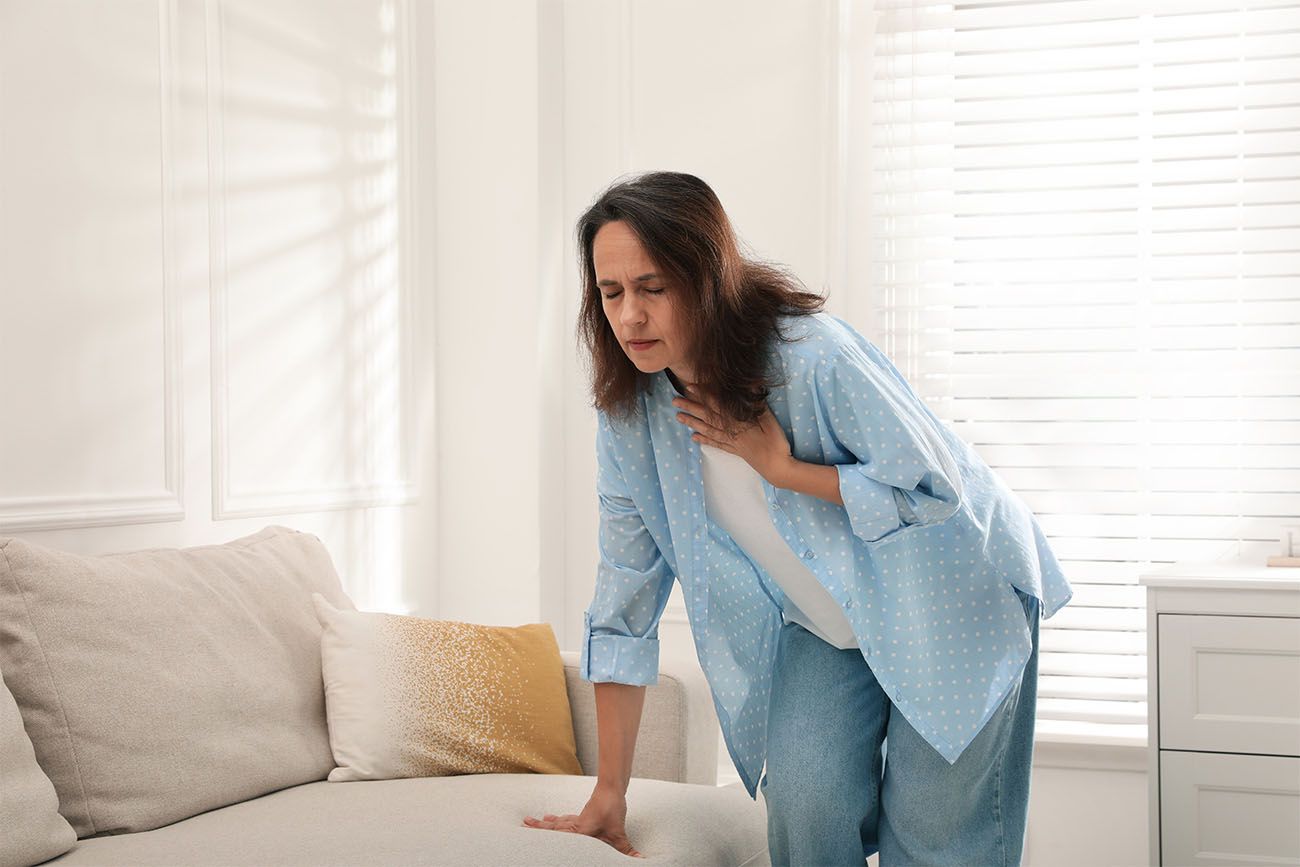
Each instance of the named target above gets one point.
<point>415,697</point>
<point>604,817</point>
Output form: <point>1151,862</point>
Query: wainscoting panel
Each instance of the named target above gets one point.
<point>312,233</point>
<point>89,336</point>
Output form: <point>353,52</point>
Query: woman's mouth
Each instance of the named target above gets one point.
<point>641,344</point>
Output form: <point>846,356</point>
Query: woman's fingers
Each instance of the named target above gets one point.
<point>547,823</point>
<point>567,822</point>
<point>623,845</point>
<point>551,822</point>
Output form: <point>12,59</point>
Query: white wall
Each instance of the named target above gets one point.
<point>314,264</point>
<point>216,300</point>
<point>491,317</point>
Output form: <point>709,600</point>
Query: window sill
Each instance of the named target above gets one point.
<point>1090,746</point>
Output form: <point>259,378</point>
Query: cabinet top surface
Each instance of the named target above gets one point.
<point>1227,574</point>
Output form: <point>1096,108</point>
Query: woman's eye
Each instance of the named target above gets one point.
<point>651,291</point>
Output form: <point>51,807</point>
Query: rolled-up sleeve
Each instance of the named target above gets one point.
<point>904,473</point>
<point>620,641</point>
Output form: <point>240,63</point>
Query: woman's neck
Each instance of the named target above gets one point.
<point>678,382</point>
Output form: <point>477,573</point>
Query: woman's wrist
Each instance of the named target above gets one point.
<point>778,473</point>
<point>815,480</point>
<point>611,787</point>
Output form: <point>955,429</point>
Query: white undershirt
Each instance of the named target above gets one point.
<point>733,495</point>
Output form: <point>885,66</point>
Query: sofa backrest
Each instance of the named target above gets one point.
<point>677,739</point>
<point>161,683</point>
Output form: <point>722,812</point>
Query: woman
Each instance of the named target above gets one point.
<point>863,591</point>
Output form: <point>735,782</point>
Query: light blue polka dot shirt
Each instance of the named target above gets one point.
<point>924,555</point>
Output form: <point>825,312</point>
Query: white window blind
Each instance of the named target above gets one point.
<point>1085,236</point>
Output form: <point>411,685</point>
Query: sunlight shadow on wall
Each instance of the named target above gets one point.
<point>311,332</point>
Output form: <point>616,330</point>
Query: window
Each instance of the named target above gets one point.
<point>1084,225</point>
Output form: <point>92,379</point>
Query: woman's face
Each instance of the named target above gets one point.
<point>638,302</point>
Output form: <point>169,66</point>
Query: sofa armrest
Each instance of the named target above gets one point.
<point>678,737</point>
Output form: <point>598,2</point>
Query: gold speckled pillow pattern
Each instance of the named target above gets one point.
<point>413,697</point>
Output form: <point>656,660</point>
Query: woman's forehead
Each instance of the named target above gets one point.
<point>633,265</point>
<point>615,239</point>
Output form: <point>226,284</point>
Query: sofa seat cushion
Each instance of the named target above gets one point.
<point>461,820</point>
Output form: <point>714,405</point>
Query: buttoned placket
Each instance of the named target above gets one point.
<point>700,530</point>
<point>796,543</point>
<point>698,526</point>
<point>773,590</point>
<point>782,521</point>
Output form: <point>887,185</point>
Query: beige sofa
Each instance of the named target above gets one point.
<point>172,708</point>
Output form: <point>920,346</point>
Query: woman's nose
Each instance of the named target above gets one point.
<point>631,313</point>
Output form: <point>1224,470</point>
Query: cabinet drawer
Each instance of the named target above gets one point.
<point>1229,683</point>
<point>1226,809</point>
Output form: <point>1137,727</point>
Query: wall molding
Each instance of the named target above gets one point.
<point>227,502</point>
<point>551,378</point>
<point>27,514</point>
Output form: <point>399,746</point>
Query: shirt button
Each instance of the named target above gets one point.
<point>808,555</point>
<point>776,507</point>
<point>848,604</point>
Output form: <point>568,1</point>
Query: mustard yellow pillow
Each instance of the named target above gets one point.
<point>414,697</point>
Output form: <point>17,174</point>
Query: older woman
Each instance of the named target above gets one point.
<point>863,591</point>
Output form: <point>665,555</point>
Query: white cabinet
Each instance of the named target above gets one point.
<point>1223,646</point>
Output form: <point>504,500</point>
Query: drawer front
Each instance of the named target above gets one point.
<point>1229,683</point>
<point>1227,809</point>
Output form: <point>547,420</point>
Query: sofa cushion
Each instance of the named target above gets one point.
<point>156,684</point>
<point>474,819</point>
<point>416,697</point>
<point>33,830</point>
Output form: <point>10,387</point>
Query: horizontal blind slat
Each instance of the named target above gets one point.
<point>1084,237</point>
<point>1091,710</point>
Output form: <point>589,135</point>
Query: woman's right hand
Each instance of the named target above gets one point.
<point>603,817</point>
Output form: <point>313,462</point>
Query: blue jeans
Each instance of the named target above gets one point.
<point>834,797</point>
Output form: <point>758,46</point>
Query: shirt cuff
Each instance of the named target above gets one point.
<point>872,508</point>
<point>618,658</point>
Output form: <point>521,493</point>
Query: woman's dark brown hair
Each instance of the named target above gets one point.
<point>728,303</point>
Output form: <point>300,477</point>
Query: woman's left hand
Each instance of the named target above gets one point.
<point>762,444</point>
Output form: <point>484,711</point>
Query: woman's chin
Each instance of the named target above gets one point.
<point>646,366</point>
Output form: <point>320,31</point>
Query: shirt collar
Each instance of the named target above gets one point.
<point>664,386</point>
